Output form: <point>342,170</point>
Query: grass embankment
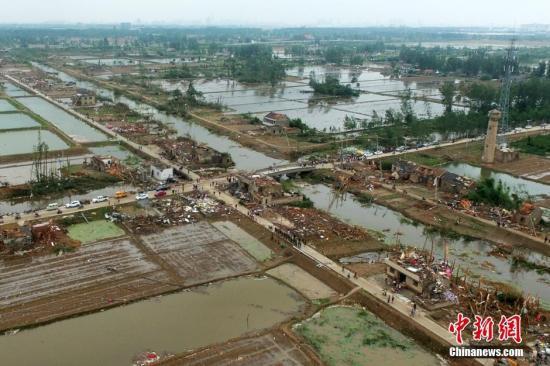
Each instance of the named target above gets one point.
<point>536,145</point>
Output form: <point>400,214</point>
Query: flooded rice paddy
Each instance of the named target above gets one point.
<point>75,128</point>
<point>14,91</point>
<point>244,158</point>
<point>294,98</point>
<point>23,142</point>
<point>516,184</point>
<point>472,255</point>
<point>173,324</point>
<point>10,121</point>
<point>6,106</point>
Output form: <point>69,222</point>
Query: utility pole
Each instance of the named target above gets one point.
<point>504,102</point>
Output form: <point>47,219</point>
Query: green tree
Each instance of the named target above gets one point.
<point>448,91</point>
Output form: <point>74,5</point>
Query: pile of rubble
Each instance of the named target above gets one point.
<point>178,210</point>
<point>310,223</point>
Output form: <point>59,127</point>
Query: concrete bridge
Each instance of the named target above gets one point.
<point>292,169</point>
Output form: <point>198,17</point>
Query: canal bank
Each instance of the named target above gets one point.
<point>244,157</point>
<point>474,256</point>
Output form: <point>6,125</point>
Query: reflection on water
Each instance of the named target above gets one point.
<point>468,254</point>
<point>173,323</point>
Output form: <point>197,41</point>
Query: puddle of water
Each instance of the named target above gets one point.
<point>23,142</point>
<point>468,254</point>
<point>10,121</point>
<point>173,323</point>
<point>75,128</point>
<point>244,158</point>
<point>517,185</point>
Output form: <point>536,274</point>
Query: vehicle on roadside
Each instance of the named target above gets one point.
<point>100,199</point>
<point>401,148</point>
<point>378,152</point>
<point>142,196</point>
<point>52,206</point>
<point>159,194</point>
<point>121,194</point>
<point>528,127</point>
<point>73,204</point>
<point>162,187</point>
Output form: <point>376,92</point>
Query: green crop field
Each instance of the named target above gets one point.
<point>94,231</point>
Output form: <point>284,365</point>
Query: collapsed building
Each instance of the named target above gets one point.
<point>431,177</point>
<point>188,152</point>
<point>419,272</point>
<point>262,190</point>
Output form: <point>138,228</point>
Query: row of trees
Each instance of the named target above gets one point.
<point>255,64</point>
<point>467,62</point>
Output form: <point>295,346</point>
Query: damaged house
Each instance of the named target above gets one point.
<point>264,190</point>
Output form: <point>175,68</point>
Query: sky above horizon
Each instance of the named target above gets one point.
<point>281,13</point>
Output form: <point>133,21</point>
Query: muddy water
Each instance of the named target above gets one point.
<point>173,323</point>
<point>472,255</point>
<point>244,158</point>
<point>516,184</point>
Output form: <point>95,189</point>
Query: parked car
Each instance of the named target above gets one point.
<point>100,199</point>
<point>73,204</point>
<point>142,196</point>
<point>401,148</point>
<point>162,187</point>
<point>378,152</point>
<point>159,194</point>
<point>52,206</point>
<point>121,194</point>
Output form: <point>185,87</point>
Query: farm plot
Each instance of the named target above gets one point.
<point>301,280</point>
<point>200,253</point>
<point>270,349</point>
<point>353,336</point>
<point>249,243</point>
<point>89,232</point>
<point>96,275</point>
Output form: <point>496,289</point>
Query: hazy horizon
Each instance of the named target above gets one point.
<point>283,13</point>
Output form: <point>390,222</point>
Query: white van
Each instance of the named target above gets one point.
<point>52,206</point>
